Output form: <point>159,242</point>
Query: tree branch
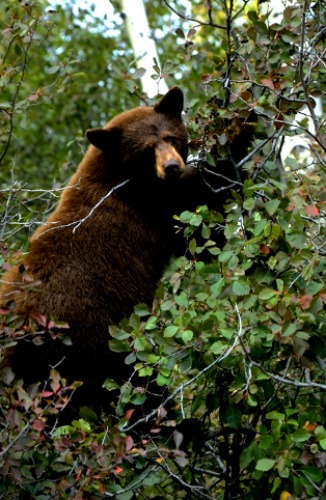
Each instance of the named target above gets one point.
<point>197,21</point>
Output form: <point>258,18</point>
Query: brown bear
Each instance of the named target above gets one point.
<point>104,248</point>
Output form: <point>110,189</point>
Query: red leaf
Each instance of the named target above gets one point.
<point>268,83</point>
<point>55,382</point>
<point>33,97</point>
<point>305,301</point>
<point>46,394</point>
<point>206,77</point>
<point>278,120</point>
<point>264,249</point>
<point>117,470</point>
<point>40,319</point>
<point>311,210</point>
<point>4,310</point>
<point>38,424</point>
<point>7,32</point>
<point>310,427</point>
<point>129,413</point>
<point>161,412</point>
<point>129,443</point>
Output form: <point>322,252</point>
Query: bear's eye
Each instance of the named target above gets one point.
<point>174,141</point>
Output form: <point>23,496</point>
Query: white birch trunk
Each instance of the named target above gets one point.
<point>143,45</point>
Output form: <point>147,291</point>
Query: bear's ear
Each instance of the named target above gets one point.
<point>103,139</point>
<point>171,104</point>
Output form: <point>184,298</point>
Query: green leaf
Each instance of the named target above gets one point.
<point>80,74</point>
<point>131,358</point>
<point>297,240</point>
<point>146,371</point>
<point>179,32</point>
<point>186,216</point>
<point>206,232</point>
<point>232,416</point>
<point>141,344</point>
<point>139,73</point>
<point>195,220</point>
<point>152,478</point>
<point>187,335</point>
<point>249,454</point>
<point>266,442</point>
<point>82,425</point>
<point>289,329</point>
<point>265,464</point>
<point>275,232</point>
<point>142,310</point>
<point>5,105</point>
<point>251,401</point>
<point>322,443</point>
<point>271,206</point>
<point>217,287</point>
<point>274,415</point>
<point>267,294</point>
<point>233,262</point>
<point>225,256</point>
<point>119,346</point>
<point>118,333</point>
<point>314,288</point>
<point>134,321</point>
<point>192,246</point>
<point>138,398</point>
<point>312,473</point>
<point>301,435</point>
<point>162,380</point>
<point>217,347</point>
<point>182,299</point>
<point>170,331</point>
<point>110,385</point>
<point>151,323</point>
<point>225,332</point>
<point>240,288</point>
<point>53,69</point>
<point>125,496</point>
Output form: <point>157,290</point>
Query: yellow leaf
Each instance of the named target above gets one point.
<point>285,495</point>
<point>309,427</point>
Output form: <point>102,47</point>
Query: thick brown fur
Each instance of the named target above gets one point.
<point>102,252</point>
<point>91,274</point>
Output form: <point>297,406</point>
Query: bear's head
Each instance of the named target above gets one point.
<point>146,141</point>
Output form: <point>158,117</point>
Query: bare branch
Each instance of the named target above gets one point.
<point>286,380</point>
<point>79,222</point>
<point>197,21</point>
<point>132,484</point>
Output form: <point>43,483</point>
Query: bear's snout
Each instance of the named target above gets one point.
<point>169,163</point>
<point>172,168</point>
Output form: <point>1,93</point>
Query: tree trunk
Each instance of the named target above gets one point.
<point>143,45</point>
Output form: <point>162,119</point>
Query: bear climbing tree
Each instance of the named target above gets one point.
<point>239,340</point>
<point>105,247</point>
<point>96,257</point>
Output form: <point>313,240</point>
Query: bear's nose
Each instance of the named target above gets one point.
<point>172,167</point>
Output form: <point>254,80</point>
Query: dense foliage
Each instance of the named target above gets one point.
<point>238,336</point>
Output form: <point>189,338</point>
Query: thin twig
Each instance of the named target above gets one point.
<point>179,389</point>
<point>78,223</point>
<point>197,21</point>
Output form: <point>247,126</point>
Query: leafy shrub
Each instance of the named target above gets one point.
<point>239,337</point>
